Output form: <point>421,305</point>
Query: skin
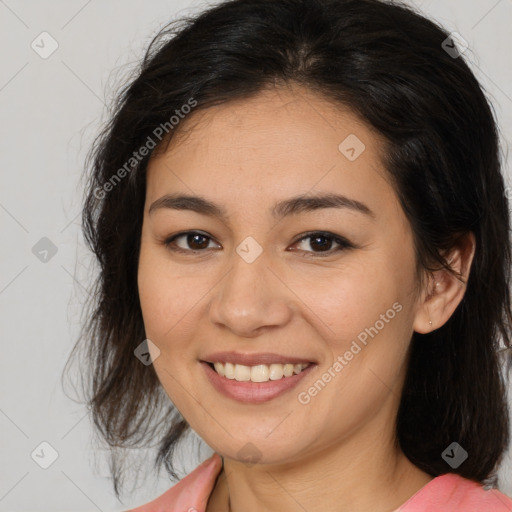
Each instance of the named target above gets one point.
<point>338,451</point>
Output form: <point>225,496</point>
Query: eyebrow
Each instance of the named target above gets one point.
<point>291,206</point>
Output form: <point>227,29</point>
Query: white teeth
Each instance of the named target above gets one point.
<point>242,373</point>
<point>288,370</point>
<point>229,370</point>
<point>259,373</point>
<point>219,368</point>
<point>276,371</point>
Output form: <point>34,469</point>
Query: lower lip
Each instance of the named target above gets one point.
<point>253,392</point>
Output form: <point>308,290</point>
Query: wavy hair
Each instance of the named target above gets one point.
<point>387,63</point>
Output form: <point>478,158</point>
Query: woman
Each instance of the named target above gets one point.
<point>301,222</point>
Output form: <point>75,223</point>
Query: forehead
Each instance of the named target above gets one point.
<point>279,143</point>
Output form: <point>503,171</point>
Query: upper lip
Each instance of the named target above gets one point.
<point>253,359</point>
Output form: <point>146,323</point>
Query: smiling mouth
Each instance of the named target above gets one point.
<point>258,373</point>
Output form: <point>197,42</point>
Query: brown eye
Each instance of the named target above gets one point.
<point>322,242</point>
<point>193,242</point>
<point>319,241</point>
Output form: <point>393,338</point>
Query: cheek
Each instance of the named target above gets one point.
<point>167,297</point>
<point>345,301</point>
<point>365,324</point>
<point>167,305</point>
<point>366,366</point>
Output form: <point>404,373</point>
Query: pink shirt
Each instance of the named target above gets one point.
<point>446,493</point>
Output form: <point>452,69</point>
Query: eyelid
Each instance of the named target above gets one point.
<point>170,239</point>
<point>343,243</point>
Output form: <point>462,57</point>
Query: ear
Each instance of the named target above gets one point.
<point>444,291</point>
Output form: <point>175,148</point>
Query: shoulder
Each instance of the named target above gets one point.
<point>191,493</point>
<point>453,493</point>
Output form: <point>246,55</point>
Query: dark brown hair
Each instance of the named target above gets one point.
<point>387,63</point>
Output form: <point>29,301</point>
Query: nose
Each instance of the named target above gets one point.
<point>251,298</point>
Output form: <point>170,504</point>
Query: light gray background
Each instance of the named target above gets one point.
<point>50,111</point>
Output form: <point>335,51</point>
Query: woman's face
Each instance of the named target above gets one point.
<point>263,283</point>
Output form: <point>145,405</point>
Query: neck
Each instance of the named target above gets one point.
<point>352,476</point>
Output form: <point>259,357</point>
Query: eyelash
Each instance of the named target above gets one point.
<point>342,243</point>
